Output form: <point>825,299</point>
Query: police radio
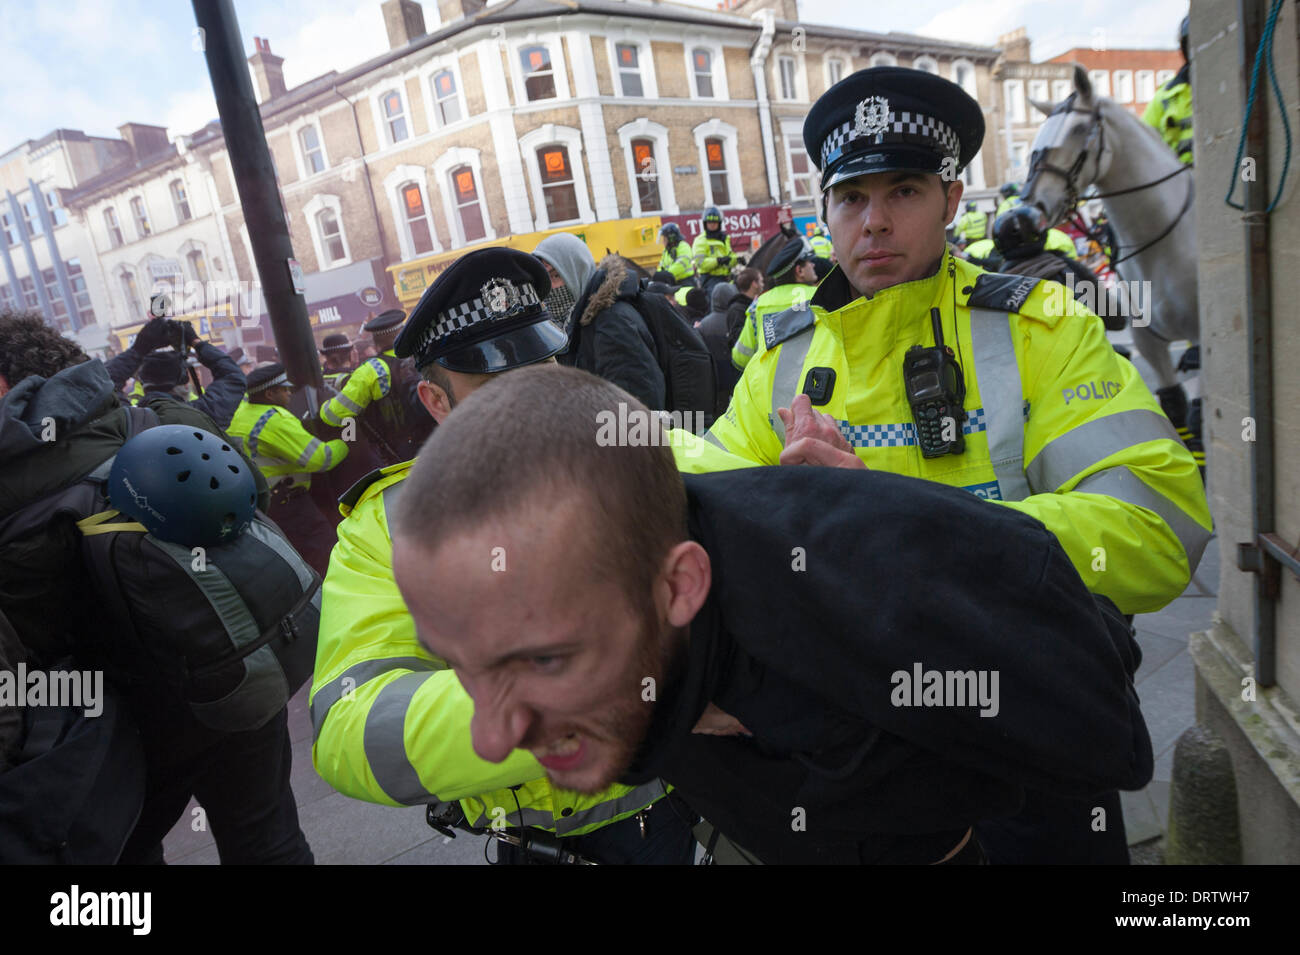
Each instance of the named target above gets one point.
<point>936,390</point>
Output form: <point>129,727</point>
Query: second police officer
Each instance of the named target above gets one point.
<point>1005,398</point>
<point>392,723</point>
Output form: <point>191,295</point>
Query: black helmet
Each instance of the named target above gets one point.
<point>1009,189</point>
<point>1022,229</point>
<point>187,486</point>
<point>1183,29</point>
<point>671,232</point>
<point>712,214</point>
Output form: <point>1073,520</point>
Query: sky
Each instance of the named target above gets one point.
<point>95,64</point>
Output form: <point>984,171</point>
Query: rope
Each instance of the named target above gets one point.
<point>1264,54</point>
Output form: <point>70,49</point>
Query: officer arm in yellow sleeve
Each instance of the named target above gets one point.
<point>1106,471</point>
<point>744,430</point>
<point>694,454</point>
<point>682,266</point>
<point>286,438</point>
<point>391,724</point>
<point>747,341</point>
<point>362,388</point>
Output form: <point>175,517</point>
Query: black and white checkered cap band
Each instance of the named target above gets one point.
<point>905,127</point>
<point>280,379</point>
<point>467,314</point>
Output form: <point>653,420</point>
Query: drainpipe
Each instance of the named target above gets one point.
<point>365,168</point>
<point>758,65</point>
<point>1266,553</point>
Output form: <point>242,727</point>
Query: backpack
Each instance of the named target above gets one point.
<point>683,356</point>
<point>229,630</point>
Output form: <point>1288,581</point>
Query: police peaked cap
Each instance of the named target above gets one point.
<point>385,321</point>
<point>781,268</point>
<point>892,119</point>
<point>268,376</point>
<point>484,314</point>
<point>337,341</point>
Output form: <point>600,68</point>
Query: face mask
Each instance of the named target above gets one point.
<point>560,306</point>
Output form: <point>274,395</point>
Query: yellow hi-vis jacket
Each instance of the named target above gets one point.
<point>392,723</point>
<point>277,443</point>
<point>1058,241</point>
<point>706,251</point>
<point>370,382</point>
<point>1171,114</point>
<point>821,245</point>
<point>973,225</point>
<point>778,299</point>
<point>678,261</point>
<point>1058,426</point>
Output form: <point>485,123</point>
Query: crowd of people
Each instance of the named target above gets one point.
<point>614,654</point>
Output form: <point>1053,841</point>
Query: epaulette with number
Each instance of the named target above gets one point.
<point>782,326</point>
<point>1002,293</point>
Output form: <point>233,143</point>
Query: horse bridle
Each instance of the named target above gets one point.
<point>1097,133</point>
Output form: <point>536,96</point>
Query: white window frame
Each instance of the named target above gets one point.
<point>559,68</point>
<point>846,66</point>
<point>642,128</point>
<point>397,83</point>
<point>881,58</point>
<point>718,64</point>
<point>571,139</point>
<point>55,208</point>
<point>135,221</point>
<point>319,203</point>
<point>427,73</point>
<point>442,167</point>
<point>645,57</point>
<point>176,207</point>
<point>792,135</point>
<point>1019,159</point>
<point>1121,75</point>
<point>1034,87</point>
<point>1100,80</point>
<point>1163,77</point>
<point>117,225</point>
<point>419,175</point>
<point>976,170</point>
<point>1061,90</point>
<point>798,75</point>
<point>1150,76</point>
<point>300,154</point>
<point>727,133</point>
<point>927,63</point>
<point>971,87</point>
<point>1013,93</point>
<point>129,309</point>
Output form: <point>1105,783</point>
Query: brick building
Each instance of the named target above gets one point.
<point>1129,77</point>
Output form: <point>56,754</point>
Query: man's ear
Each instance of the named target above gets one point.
<point>684,582</point>
<point>434,400</point>
<point>955,191</point>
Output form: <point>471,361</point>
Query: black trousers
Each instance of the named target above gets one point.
<point>1054,830</point>
<point>303,522</point>
<point>240,779</point>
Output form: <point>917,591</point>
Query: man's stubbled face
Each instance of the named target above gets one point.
<point>551,651</point>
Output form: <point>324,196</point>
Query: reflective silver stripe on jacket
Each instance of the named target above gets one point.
<point>1123,485</point>
<point>305,458</point>
<point>998,374</point>
<point>353,677</point>
<point>638,798</point>
<point>515,817</point>
<point>785,383</point>
<point>1091,443</point>
<point>713,440</point>
<point>385,741</point>
<point>742,349</point>
<point>381,371</point>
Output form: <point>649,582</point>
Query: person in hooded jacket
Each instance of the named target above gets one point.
<point>607,335</point>
<point>713,329</point>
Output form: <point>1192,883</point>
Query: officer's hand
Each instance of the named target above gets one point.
<point>715,722</point>
<point>724,260</point>
<point>155,334</point>
<point>813,437</point>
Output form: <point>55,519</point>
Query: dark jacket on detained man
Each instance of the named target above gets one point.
<point>905,575</point>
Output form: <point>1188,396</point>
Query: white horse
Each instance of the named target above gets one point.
<point>1147,193</point>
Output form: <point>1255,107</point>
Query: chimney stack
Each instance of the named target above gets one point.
<point>404,20</point>
<point>1015,45</point>
<point>453,10</point>
<point>268,71</point>
<point>144,140</point>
